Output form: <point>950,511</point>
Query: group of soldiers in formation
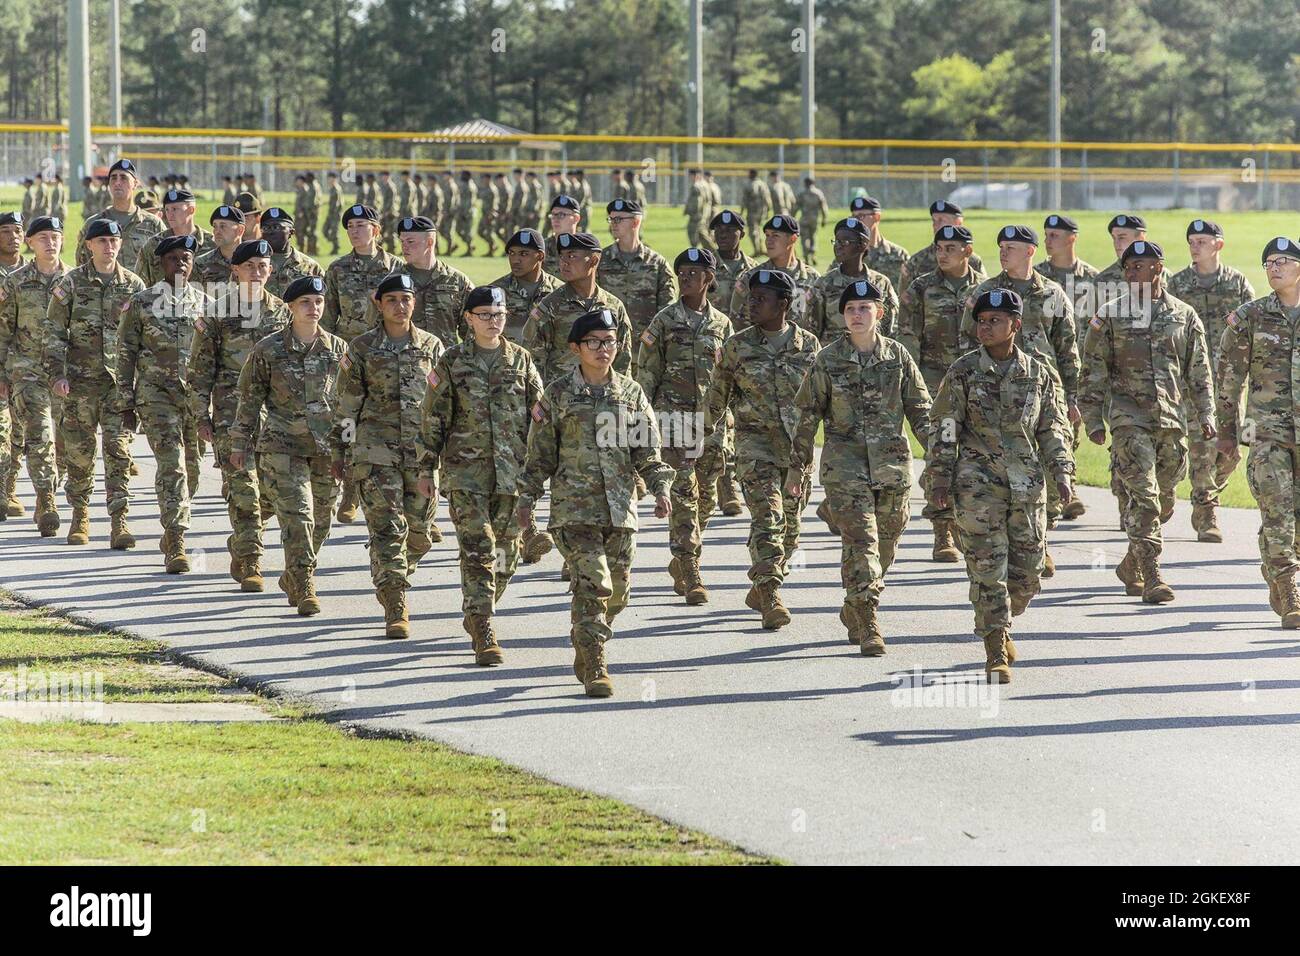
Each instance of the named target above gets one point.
<point>609,374</point>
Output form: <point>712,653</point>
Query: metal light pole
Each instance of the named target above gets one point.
<point>1055,109</point>
<point>79,164</point>
<point>695,82</point>
<point>115,60</point>
<point>808,76</point>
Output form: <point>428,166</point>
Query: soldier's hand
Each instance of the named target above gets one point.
<point>794,489</point>
<point>1065,491</point>
<point>1207,430</point>
<point>524,516</point>
<point>663,506</point>
<point>237,460</point>
<point>1073,414</point>
<point>939,499</point>
<point>336,472</point>
<point>61,387</point>
<point>129,421</point>
<point>427,487</point>
<point>1098,437</point>
<point>205,433</point>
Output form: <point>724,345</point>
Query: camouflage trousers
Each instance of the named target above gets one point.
<point>388,230</point>
<point>870,522</point>
<point>29,404</point>
<point>307,233</point>
<point>808,238</point>
<point>331,233</point>
<point>1004,538</point>
<point>303,492</point>
<point>773,518</point>
<point>397,519</point>
<point>688,493</point>
<point>933,376</point>
<point>465,228</point>
<point>1148,463</point>
<point>489,539</point>
<point>88,409</point>
<point>695,228</point>
<point>1273,475</point>
<point>755,217</point>
<point>13,436</point>
<point>712,464</point>
<point>1202,461</point>
<point>486,232</point>
<point>243,500</point>
<point>164,427</point>
<point>600,561</point>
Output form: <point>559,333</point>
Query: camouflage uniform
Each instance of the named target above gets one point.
<point>1009,436</point>
<point>386,206</point>
<point>729,272</point>
<point>813,212</point>
<point>81,347</point>
<point>888,258</point>
<point>1148,366</point>
<point>223,341</point>
<point>1077,283</point>
<point>757,204</point>
<point>149,267</point>
<point>439,301</point>
<point>1260,347</point>
<point>866,464</point>
<point>489,205</point>
<point>758,380</point>
<point>698,211</point>
<point>476,418</point>
<point>678,353</point>
<point>642,280</point>
<point>289,265</point>
<point>804,277</point>
<point>1225,291</point>
<point>138,227</point>
<point>927,261</point>
<point>308,224</point>
<point>333,215</point>
<point>296,438</point>
<point>350,282</point>
<point>533,205</point>
<point>825,320</point>
<point>520,299</point>
<point>783,201</point>
<point>546,334</point>
<point>210,269</point>
<point>154,339</point>
<point>467,202</point>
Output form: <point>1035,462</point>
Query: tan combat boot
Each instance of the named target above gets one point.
<point>397,617</point>
<point>536,545</point>
<point>729,500</point>
<point>824,512</point>
<point>1205,521</point>
<point>1154,588</point>
<point>871,642</point>
<point>347,512</point>
<point>596,678</point>
<point>1130,572</point>
<point>178,561</point>
<point>695,591</point>
<point>289,585</point>
<point>133,470</point>
<point>13,507</point>
<point>250,574</point>
<point>121,538</point>
<point>565,574</point>
<point>1166,508</point>
<point>766,599</point>
<point>47,514</point>
<point>1288,602</point>
<point>997,664</point>
<point>435,533</point>
<point>79,530</point>
<point>308,602</point>
<point>945,548</point>
<point>236,566</point>
<point>675,572</point>
<point>850,623</point>
<point>1019,601</point>
<point>1074,510</point>
<point>487,652</point>
<point>1049,566</point>
<point>579,659</point>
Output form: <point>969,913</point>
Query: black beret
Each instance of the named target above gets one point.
<point>276,214</point>
<point>1204,227</point>
<point>102,227</point>
<point>945,207</point>
<point>415,224</point>
<point>601,320</point>
<point>246,203</point>
<point>177,195</point>
<point>863,289</point>
<point>1056,221</point>
<point>564,202</point>
<point>577,240</point>
<point>172,243</point>
<point>1281,246</point>
<point>782,224</point>
<point>253,249</point>
<point>727,218</point>
<point>1142,249</point>
<point>860,203</point>
<point>485,295</point>
<point>394,282</point>
<point>953,233</point>
<point>775,280</point>
<point>44,224</point>
<point>1126,221</point>
<point>1002,300</point>
<point>126,166</point>
<point>1017,234</point>
<point>359,212</point>
<point>304,285</point>
<point>695,257</point>
<point>11,219</point>
<point>228,213</point>
<point>527,239</point>
<point>852,225</point>
<point>623,205</point>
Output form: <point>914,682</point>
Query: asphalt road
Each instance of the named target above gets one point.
<point>1130,734</point>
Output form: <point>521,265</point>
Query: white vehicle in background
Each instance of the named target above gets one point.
<point>1018,196</point>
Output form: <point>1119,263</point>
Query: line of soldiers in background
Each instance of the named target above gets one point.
<point>44,197</point>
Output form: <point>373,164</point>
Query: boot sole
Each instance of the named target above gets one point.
<point>695,599</point>
<point>1158,598</point>
<point>251,586</point>
<point>78,541</point>
<point>489,659</point>
<point>1210,537</point>
<point>397,635</point>
<point>308,608</point>
<point>872,649</point>
<point>1291,622</point>
<point>731,512</point>
<point>176,567</point>
<point>776,624</point>
<point>123,545</point>
<point>945,557</point>
<point>600,689</point>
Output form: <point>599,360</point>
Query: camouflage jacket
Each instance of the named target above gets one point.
<point>210,269</point>
<point>1229,291</point>
<point>223,340</point>
<point>10,270</point>
<point>289,265</point>
<point>520,299</point>
<point>677,355</point>
<point>699,200</point>
<point>334,202</point>
<point>864,401</point>
<point>591,442</point>
<point>138,227</point>
<point>643,280</point>
<point>994,427</point>
<point>546,334</point>
<point>153,346</point>
<point>804,277</point>
<point>147,264</point>
<point>1147,363</point>
<point>729,271</point>
<point>297,385</point>
<point>466,197</point>
<point>381,392</point>
<point>1260,344</point>
<point>757,201</point>
<point>929,320</point>
<point>759,386</point>
<point>24,323</point>
<point>476,417</point>
<point>350,283</point>
<point>827,322</point>
<point>1077,281</point>
<point>926,261</point>
<point>888,257</point>
<point>551,264</point>
<point>387,198</point>
<point>439,300</point>
<point>83,316</point>
<point>1047,329</point>
<point>812,207</point>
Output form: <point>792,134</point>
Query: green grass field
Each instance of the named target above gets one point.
<point>665,231</point>
<point>296,790</point>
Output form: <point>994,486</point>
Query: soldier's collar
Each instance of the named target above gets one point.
<point>989,365</point>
